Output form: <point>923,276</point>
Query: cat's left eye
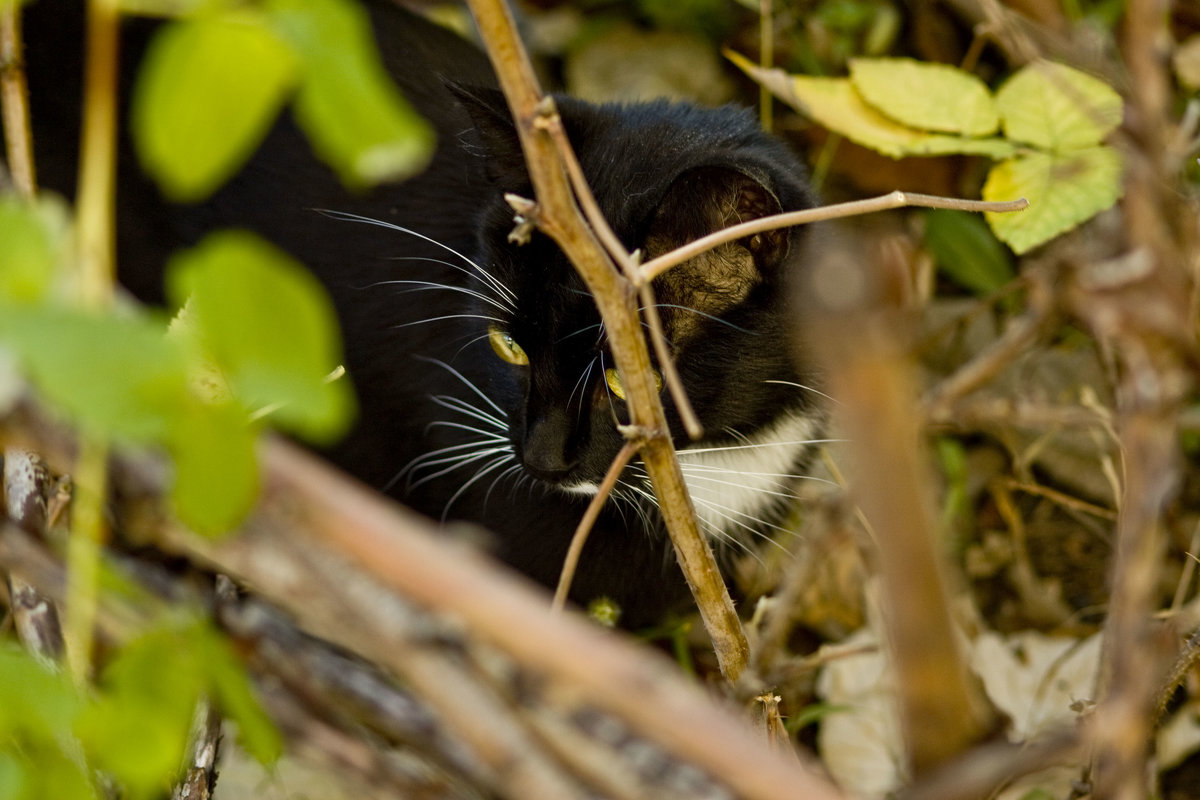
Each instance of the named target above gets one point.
<point>613,379</point>
<point>506,346</point>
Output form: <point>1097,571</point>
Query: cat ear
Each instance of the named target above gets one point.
<point>707,199</point>
<point>489,113</point>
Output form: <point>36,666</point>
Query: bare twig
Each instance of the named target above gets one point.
<point>589,519</point>
<point>1146,317</point>
<point>615,297</point>
<point>628,264</point>
<point>14,102</point>
<point>654,268</point>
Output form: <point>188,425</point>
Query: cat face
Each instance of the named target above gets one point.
<point>724,313</point>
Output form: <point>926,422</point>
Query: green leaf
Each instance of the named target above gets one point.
<point>139,728</point>
<point>268,325</point>
<point>234,695</point>
<point>216,468</point>
<point>967,251</point>
<point>207,93</point>
<point>1063,190</point>
<point>35,702</point>
<point>834,103</point>
<point>123,377</point>
<point>117,375</point>
<point>932,97</point>
<point>353,114</point>
<point>33,239</point>
<point>1057,108</point>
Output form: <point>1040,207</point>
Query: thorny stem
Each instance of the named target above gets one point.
<point>571,562</point>
<point>14,100</point>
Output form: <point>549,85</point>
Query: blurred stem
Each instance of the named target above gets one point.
<point>95,202</point>
<point>766,59</point>
<point>94,222</point>
<point>14,100</point>
<point>83,553</point>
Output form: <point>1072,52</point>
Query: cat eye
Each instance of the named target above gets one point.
<point>613,379</point>
<point>506,346</point>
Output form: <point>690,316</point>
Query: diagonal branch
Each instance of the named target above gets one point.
<point>559,217</point>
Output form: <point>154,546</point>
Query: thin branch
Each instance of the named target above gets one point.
<point>629,268</point>
<point>14,102</point>
<point>615,296</point>
<point>571,562</point>
<point>652,269</point>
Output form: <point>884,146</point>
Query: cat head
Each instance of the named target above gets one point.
<point>663,175</point>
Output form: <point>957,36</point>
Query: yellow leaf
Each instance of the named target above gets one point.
<point>1063,190</point>
<point>835,104</point>
<point>931,97</point>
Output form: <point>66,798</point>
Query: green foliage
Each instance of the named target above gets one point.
<point>212,83</point>
<point>966,251</point>
<point>120,376</point>
<point>136,724</point>
<point>351,111</point>
<point>31,249</point>
<point>266,324</point>
<point>207,93</point>
<point>1054,119</point>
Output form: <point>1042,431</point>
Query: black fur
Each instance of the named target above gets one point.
<point>663,174</point>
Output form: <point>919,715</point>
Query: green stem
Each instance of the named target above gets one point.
<point>95,212</point>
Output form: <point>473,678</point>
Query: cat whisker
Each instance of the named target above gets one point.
<point>754,445</point>
<point>466,382</point>
<point>694,478</point>
<point>487,277</point>
<point>480,474</point>
<point>427,286</point>
<point>698,312</point>
<point>445,317</point>
<point>452,403</point>
<point>817,392</point>
<point>584,329</point>
<point>697,470</point>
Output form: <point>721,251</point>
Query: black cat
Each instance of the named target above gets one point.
<point>485,385</point>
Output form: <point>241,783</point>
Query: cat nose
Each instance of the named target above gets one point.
<point>545,449</point>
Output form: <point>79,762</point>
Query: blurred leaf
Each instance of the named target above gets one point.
<point>353,114</point>
<point>834,103</point>
<point>932,97</point>
<point>232,692</point>
<point>1063,190</point>
<point>270,328</point>
<point>32,241</point>
<point>34,700</point>
<point>967,251</point>
<point>1057,108</point>
<point>216,466</point>
<point>138,730</point>
<point>207,93</point>
<point>113,374</point>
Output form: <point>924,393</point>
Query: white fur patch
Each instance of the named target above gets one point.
<point>734,487</point>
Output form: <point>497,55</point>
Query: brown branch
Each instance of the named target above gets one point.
<point>652,269</point>
<point>14,102</point>
<point>615,297</point>
<point>858,332</point>
<point>589,519</point>
<point>311,519</point>
<point>1147,318</point>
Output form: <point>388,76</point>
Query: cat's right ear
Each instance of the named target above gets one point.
<point>494,132</point>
